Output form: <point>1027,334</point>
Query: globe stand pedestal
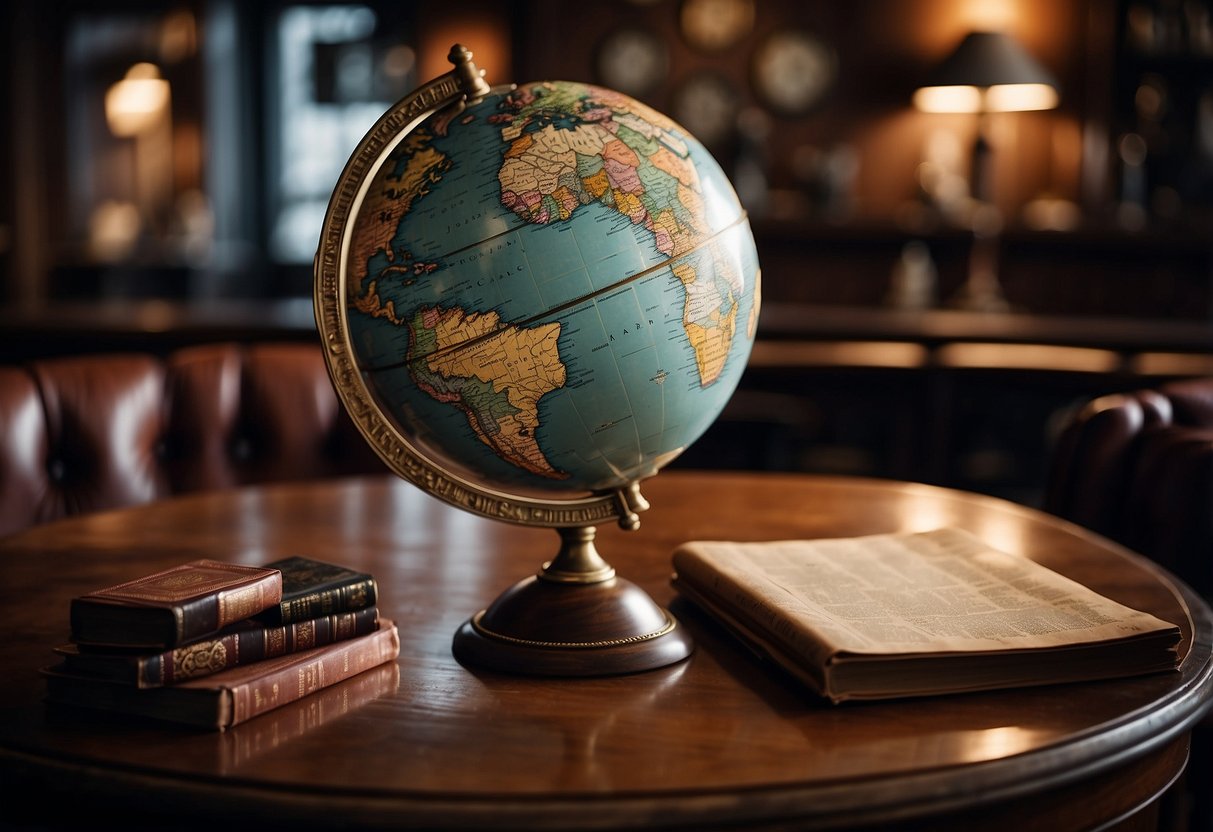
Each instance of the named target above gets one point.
<point>574,618</point>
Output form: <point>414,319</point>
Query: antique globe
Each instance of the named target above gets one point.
<point>533,297</point>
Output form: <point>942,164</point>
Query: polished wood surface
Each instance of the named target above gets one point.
<point>722,738</point>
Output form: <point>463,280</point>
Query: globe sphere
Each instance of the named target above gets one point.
<point>550,290</point>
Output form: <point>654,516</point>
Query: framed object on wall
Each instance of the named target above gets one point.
<point>707,104</point>
<point>792,71</point>
<point>713,25</point>
<point>632,60</point>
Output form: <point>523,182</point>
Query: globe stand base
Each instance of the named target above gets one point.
<point>575,618</point>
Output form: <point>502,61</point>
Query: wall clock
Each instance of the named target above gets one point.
<point>792,71</point>
<point>633,61</point>
<point>712,25</point>
<point>706,105</point>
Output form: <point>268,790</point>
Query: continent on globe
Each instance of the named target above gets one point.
<point>495,374</point>
<point>572,144</point>
<point>419,166</point>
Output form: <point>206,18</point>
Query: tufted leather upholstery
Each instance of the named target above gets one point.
<point>1138,468</point>
<point>94,432</point>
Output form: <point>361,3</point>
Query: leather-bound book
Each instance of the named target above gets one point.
<point>242,643</point>
<point>269,733</point>
<point>232,696</point>
<point>175,606</point>
<point>311,588</point>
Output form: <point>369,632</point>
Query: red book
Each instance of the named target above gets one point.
<point>232,696</point>
<point>175,606</point>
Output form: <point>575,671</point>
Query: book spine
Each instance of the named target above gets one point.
<point>296,681</point>
<point>341,598</point>
<point>213,655</point>
<point>273,730</point>
<point>207,614</point>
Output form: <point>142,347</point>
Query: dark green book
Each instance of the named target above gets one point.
<point>312,588</point>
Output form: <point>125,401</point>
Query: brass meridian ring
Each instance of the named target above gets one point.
<point>670,624</point>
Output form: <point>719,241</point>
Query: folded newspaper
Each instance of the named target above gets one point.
<point>917,614</point>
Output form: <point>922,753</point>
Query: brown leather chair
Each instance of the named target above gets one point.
<point>103,431</point>
<point>1138,468</point>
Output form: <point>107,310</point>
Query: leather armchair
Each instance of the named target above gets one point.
<point>1138,468</point>
<point>103,431</point>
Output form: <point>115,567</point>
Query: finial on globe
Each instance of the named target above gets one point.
<point>532,298</point>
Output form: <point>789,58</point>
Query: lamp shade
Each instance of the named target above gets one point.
<point>990,72</point>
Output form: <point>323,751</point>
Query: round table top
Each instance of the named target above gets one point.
<point>720,738</point>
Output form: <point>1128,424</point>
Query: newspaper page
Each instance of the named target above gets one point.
<point>915,593</point>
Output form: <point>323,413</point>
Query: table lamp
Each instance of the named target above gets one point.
<point>989,72</point>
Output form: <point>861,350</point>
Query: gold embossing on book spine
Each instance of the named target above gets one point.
<point>275,641</point>
<point>311,676</point>
<point>358,595</point>
<point>200,659</point>
<point>263,699</point>
<point>305,635</point>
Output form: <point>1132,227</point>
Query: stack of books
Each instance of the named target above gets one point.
<point>214,644</point>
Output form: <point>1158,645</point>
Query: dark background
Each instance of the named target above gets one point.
<point>206,229</point>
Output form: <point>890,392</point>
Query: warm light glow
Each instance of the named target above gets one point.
<point>1003,98</point>
<point>1007,98</point>
<point>1028,357</point>
<point>113,230</point>
<point>486,38</point>
<point>1172,364</point>
<point>772,353</point>
<point>997,743</point>
<point>178,36</point>
<point>399,61</point>
<point>948,99</point>
<point>989,15</point>
<point>137,102</point>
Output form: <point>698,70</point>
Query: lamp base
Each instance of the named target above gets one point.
<point>575,618</point>
<point>982,291</point>
<point>980,294</point>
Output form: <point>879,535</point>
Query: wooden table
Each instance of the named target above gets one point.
<point>719,739</point>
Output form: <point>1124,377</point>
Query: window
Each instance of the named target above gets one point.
<point>332,79</point>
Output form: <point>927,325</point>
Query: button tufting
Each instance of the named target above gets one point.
<point>56,470</point>
<point>242,449</point>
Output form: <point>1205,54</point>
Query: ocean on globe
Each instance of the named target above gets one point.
<point>553,289</point>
